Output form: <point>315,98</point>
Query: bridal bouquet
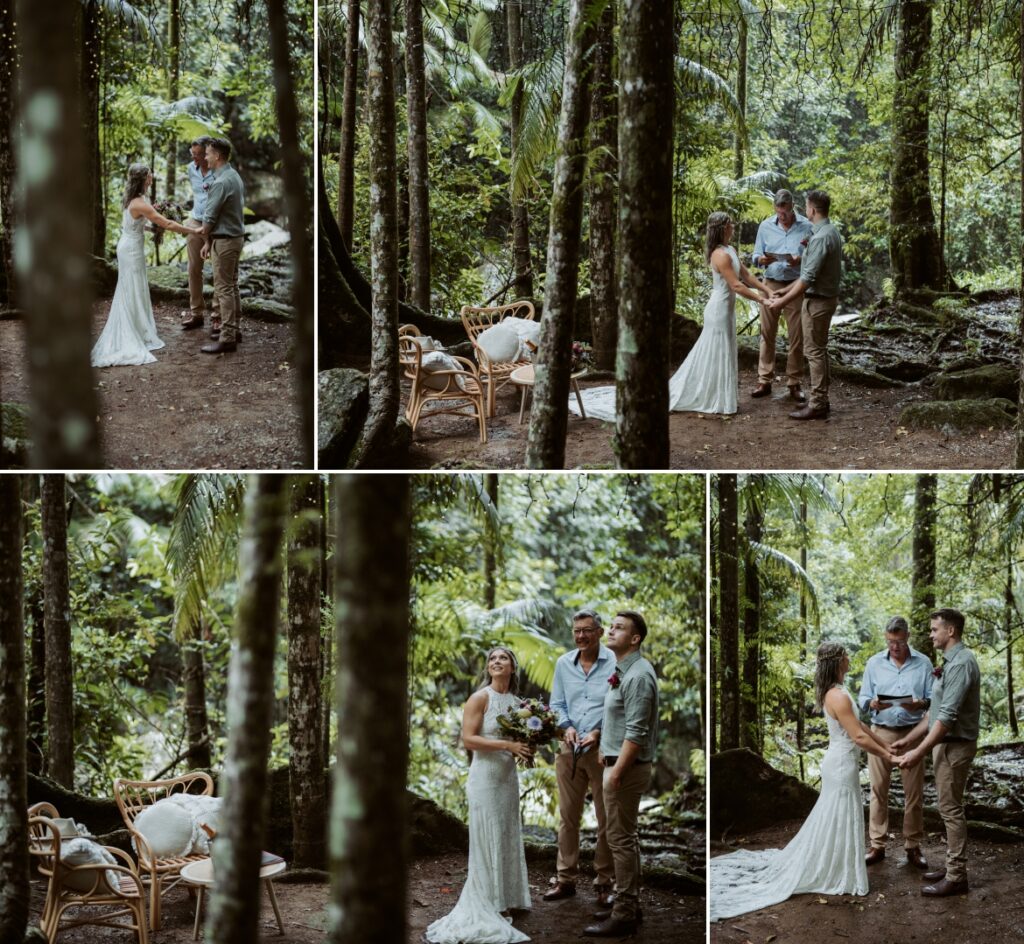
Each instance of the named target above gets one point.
<point>170,209</point>
<point>582,356</point>
<point>532,723</point>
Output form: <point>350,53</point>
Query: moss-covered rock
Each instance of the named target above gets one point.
<point>959,415</point>
<point>344,399</point>
<point>979,383</point>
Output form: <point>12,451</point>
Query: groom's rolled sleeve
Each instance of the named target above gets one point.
<point>955,683</point>
<point>638,698</point>
<point>810,264</point>
<point>214,201</point>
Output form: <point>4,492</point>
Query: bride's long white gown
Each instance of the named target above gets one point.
<point>496,880</point>
<point>826,856</point>
<point>130,332</point>
<point>706,380</point>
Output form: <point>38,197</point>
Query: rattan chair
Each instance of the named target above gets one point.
<point>133,796</point>
<point>92,888</point>
<point>460,389</point>
<point>477,320</point>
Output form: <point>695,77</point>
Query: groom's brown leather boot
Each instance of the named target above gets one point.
<point>612,927</point>
<point>219,347</point>
<point>935,876</point>
<point>916,858</point>
<point>810,413</point>
<point>945,888</point>
<point>795,393</point>
<point>761,390</point>
<point>874,855</point>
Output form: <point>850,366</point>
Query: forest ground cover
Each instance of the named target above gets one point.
<point>188,410</point>
<point>893,909</point>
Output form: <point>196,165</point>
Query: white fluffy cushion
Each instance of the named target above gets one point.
<point>435,361</point>
<point>166,827</point>
<point>86,852</point>
<point>526,330</point>
<point>499,342</point>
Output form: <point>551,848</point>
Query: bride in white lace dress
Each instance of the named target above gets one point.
<point>130,332</point>
<point>827,855</point>
<point>706,381</point>
<point>496,880</point>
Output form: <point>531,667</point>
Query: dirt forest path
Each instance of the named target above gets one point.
<point>893,912</point>
<point>863,432</point>
<point>188,410</point>
<point>435,884</point>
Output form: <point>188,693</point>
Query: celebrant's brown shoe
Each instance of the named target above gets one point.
<point>795,393</point>
<point>811,413</point>
<point>761,390</point>
<point>874,856</point>
<point>937,876</point>
<point>559,891</point>
<point>916,858</point>
<point>219,347</point>
<point>945,888</point>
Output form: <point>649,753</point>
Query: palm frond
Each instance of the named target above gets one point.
<point>541,83</point>
<point>706,84</point>
<point>785,564</point>
<point>125,13</point>
<point>878,30</point>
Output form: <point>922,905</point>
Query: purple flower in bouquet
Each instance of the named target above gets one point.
<point>534,724</point>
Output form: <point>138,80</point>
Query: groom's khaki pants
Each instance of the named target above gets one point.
<point>572,793</point>
<point>795,345</point>
<point>880,772</point>
<point>194,244</point>
<point>225,253</point>
<point>951,761</point>
<point>817,317</point>
<point>622,808</point>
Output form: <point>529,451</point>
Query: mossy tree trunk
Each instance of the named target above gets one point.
<point>728,621</point>
<point>197,725</point>
<point>604,145</point>
<point>803,639</point>
<point>14,881</point>
<point>54,284</point>
<point>36,680</point>
<point>60,717</point>
<point>233,918</point>
<point>369,805</point>
<point>347,151</point>
<point>552,365</point>
<point>922,581</point>
<point>741,89</point>
<point>7,125</point>
<point>305,738</point>
<point>492,544</point>
<point>914,250</point>
<point>753,526</point>
<point>522,287</point>
<point>298,200</point>
<point>419,176</point>
<point>646,133</point>
<point>1019,457</point>
<point>173,75</point>
<point>92,51</point>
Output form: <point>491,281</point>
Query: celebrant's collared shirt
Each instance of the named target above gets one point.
<point>956,694</point>
<point>577,697</point>
<point>201,184</point>
<point>822,263</point>
<point>225,202</point>
<point>631,709</point>
<point>772,236</point>
<point>882,676</point>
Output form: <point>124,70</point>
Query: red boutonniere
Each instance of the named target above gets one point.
<point>804,242</point>
<point>937,671</point>
<point>614,679</point>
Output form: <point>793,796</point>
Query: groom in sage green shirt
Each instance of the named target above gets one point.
<point>629,738</point>
<point>952,726</point>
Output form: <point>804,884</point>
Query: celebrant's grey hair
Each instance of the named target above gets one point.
<point>587,614</point>
<point>135,186</point>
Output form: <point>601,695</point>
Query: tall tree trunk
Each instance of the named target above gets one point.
<point>604,144</point>
<point>60,716</point>
<point>550,413</point>
<point>37,683</point>
<point>369,807</point>
<point>197,725</point>
<point>173,75</point>
<point>8,122</point>
<point>801,696</point>
<point>92,45</point>
<point>232,917</point>
<point>753,525</point>
<point>54,287</point>
<point>741,93</point>
<point>922,584</point>
<point>523,285</point>
<point>1008,608</point>
<point>347,151</point>
<point>646,131</point>
<point>729,615</point>
<point>326,639</point>
<point>713,647</point>
<point>492,539</point>
<point>307,781</point>
<point>378,433</point>
<point>14,879</point>
<point>914,249</point>
<point>1019,457</point>
<point>299,206</point>
<point>419,175</point>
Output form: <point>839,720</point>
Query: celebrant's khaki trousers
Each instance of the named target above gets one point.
<point>816,315</point>
<point>951,761</point>
<point>880,772</point>
<point>572,794</point>
<point>225,253</point>
<point>622,808</point>
<point>769,331</point>
<point>194,243</point>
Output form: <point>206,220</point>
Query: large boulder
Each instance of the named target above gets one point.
<point>750,794</point>
<point>959,415</point>
<point>979,383</point>
<point>344,399</point>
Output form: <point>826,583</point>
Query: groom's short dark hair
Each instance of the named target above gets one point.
<point>952,618</point>
<point>222,146</point>
<point>820,199</point>
<point>639,623</point>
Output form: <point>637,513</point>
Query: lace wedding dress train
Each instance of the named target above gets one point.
<point>496,879</point>
<point>706,380</point>
<point>826,856</point>
<point>130,332</point>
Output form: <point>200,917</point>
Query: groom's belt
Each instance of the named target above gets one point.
<point>611,761</point>
<point>950,737</point>
<point>896,727</point>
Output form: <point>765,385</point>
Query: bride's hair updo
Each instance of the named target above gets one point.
<point>717,223</point>
<point>827,670</point>
<point>136,184</point>
<point>513,684</point>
